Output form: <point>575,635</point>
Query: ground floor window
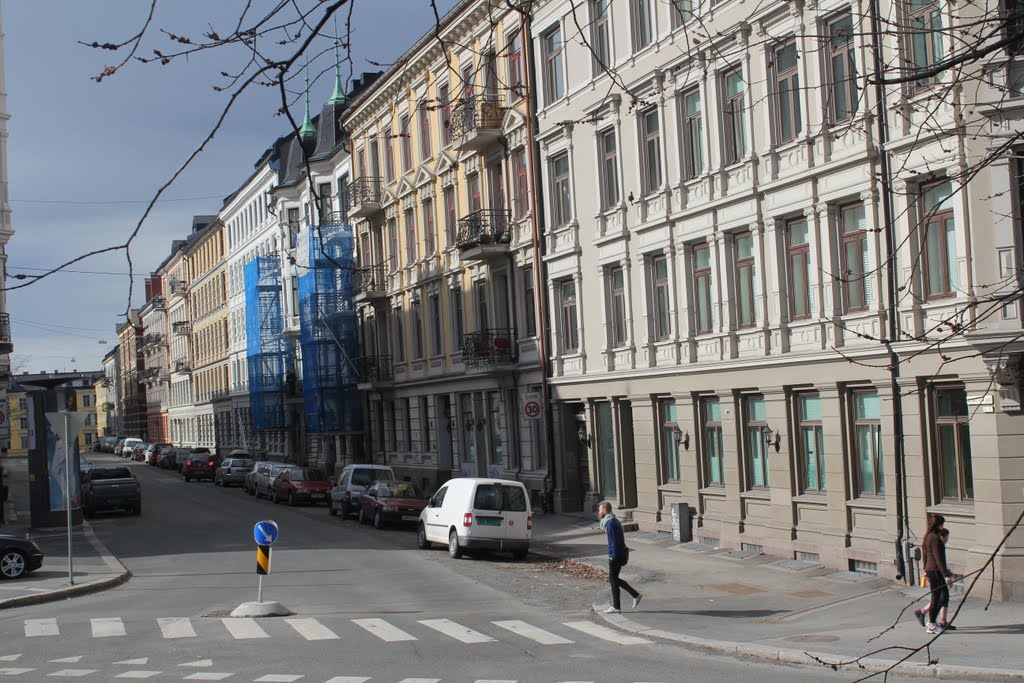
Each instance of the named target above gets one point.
<point>953,444</point>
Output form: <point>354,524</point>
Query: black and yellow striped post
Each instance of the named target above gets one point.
<point>262,566</point>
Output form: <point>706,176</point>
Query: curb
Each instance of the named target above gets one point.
<point>803,657</point>
<point>121,575</point>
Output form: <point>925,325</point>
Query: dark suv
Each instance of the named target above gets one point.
<point>198,466</point>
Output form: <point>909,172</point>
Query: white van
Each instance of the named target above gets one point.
<point>128,447</point>
<point>470,514</point>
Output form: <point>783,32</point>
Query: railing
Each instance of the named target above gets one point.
<point>486,226</point>
<point>364,190</point>
<point>181,366</point>
<point>5,327</point>
<point>475,113</point>
<point>374,368</point>
<point>488,347</point>
<point>369,279</point>
<point>182,327</point>
<point>332,218</point>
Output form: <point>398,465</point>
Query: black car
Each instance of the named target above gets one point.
<point>18,557</point>
<point>199,466</point>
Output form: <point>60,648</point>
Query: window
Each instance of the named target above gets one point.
<point>450,215</point>
<point>467,81</point>
<point>810,442</point>
<point>798,263</point>
<point>473,197</point>
<point>529,302</point>
<point>693,134</point>
<point>867,435</point>
<point>429,233</point>
<point>424,114</point>
<point>522,183</point>
<point>843,92</point>
<point>343,196</point>
<point>609,154</point>
<point>650,132</point>
<point>434,311</point>
<point>669,446</point>
<point>735,107</point>
<point>855,267</point>
<point>600,37</point>
<point>643,29</point>
<point>682,11</point>
<point>569,319</point>
<point>661,312</point>
<point>925,39</point>
<point>444,103</point>
<point>23,423</point>
<point>407,421</point>
<point>745,309</point>
<point>953,444</point>
<point>554,75</point>
<point>469,433</point>
<point>702,289</point>
<point>491,75</point>
<point>323,191</point>
<point>406,135</point>
<point>389,155</point>
<point>711,448</point>
<point>411,245</point>
<point>417,330</point>
<point>399,317</point>
<point>938,238</point>
<point>787,93</point>
<point>616,284</point>
<point>561,199</point>
<point>756,451</point>
<point>514,50</point>
<point>425,445</point>
<point>458,318</point>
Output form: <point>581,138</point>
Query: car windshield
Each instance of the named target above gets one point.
<point>109,473</point>
<point>498,497</point>
<point>365,477</point>
<point>401,489</point>
<point>241,463</point>
<point>307,475</point>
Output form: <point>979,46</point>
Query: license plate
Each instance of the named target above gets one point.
<point>318,496</point>
<point>409,518</point>
<point>115,500</point>
<point>488,521</point>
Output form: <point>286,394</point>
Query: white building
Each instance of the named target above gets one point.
<point>6,232</point>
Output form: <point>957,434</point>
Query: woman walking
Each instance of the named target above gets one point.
<point>617,557</point>
<point>939,576</point>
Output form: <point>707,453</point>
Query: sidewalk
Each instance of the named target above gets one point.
<point>784,610</point>
<point>94,567</point>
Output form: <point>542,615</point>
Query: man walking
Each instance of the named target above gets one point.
<point>618,555</point>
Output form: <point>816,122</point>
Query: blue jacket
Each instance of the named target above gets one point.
<point>616,541</point>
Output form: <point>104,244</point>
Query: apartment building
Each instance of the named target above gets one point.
<point>130,393</point>
<point>111,404</point>
<point>718,253</point>
<point>6,232</point>
<point>102,405</point>
<point>156,377</point>
<point>441,201</point>
<point>182,410</point>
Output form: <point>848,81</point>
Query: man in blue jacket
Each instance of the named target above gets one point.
<point>616,556</point>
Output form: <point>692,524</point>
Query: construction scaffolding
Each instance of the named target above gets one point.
<point>329,330</point>
<point>270,357</point>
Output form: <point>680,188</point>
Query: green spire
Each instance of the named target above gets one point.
<point>339,90</point>
<point>307,129</point>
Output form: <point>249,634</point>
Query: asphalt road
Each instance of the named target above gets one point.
<point>367,606</point>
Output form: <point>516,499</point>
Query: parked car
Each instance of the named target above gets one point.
<point>300,485</point>
<point>128,447</point>
<point>150,455</point>
<point>169,459</point>
<point>232,471</point>
<point>198,466</point>
<point>391,502</point>
<point>469,513</point>
<point>249,485</point>
<point>118,445</point>
<point>139,452</point>
<point>111,488</point>
<point>18,557</point>
<point>352,481</point>
<point>265,477</point>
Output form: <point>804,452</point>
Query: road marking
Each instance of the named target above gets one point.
<point>9,658</point>
<point>358,679</point>
<point>137,675</point>
<point>35,628</point>
<point>176,627</point>
<point>18,672</point>
<point>277,678</point>
<point>244,629</point>
<point>383,630</point>
<point>492,680</point>
<point>457,631</point>
<point>411,680</point>
<point>73,673</point>
<point>199,663</point>
<point>539,635</point>
<point>66,660</point>
<point>107,627</point>
<point>207,676</point>
<point>311,629</point>
<point>605,633</point>
<point>142,661</point>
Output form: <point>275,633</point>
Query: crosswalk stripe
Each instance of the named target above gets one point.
<point>14,672</point>
<point>383,630</point>
<point>534,633</point>
<point>244,628</point>
<point>66,660</point>
<point>605,633</point>
<point>311,629</point>
<point>138,675</point>
<point>199,663</point>
<point>207,676</point>
<point>9,658</point>
<point>176,627</point>
<point>74,673</point>
<point>411,680</point>
<point>457,631</point>
<point>35,628</point>
<point>141,661</point>
<point>492,680</point>
<point>107,627</point>
<point>350,679</point>
<point>278,678</point>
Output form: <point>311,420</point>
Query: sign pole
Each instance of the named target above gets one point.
<point>259,591</point>
<point>67,494</point>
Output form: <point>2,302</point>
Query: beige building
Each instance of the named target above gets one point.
<point>156,377</point>
<point>102,408</point>
<point>717,272</point>
<point>181,408</point>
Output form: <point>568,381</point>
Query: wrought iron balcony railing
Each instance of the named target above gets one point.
<point>474,114</point>
<point>487,226</point>
<point>5,328</point>
<point>374,369</point>
<point>370,279</point>
<point>182,327</point>
<point>364,195</point>
<point>493,346</point>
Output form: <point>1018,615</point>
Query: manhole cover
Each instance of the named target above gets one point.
<point>812,639</point>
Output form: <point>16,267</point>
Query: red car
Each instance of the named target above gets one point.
<point>300,484</point>
<point>397,502</point>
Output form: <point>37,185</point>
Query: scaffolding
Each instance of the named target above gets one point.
<point>269,354</point>
<point>329,331</point>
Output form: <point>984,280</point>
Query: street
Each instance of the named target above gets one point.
<point>367,606</point>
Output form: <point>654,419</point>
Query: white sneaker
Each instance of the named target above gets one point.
<point>637,599</point>
<point>611,610</point>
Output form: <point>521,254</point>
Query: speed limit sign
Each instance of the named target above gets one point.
<point>532,405</point>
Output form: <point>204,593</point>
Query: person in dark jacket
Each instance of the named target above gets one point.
<point>616,557</point>
<point>939,576</point>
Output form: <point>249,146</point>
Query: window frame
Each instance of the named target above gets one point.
<point>426,149</point>
<point>845,239</point>
<point>642,27</point>
<point>681,11</point>
<point>554,64</point>
<point>451,214</point>
<point>404,123</point>
<point>661,298</point>
<point>436,334</point>
<point>874,427</point>
<point>529,301</point>
<point>794,251</point>
<point>521,183</point>
<point>600,36</point>
<point>444,103</point>
<point>692,134</point>
<point>930,36</point>
<point>514,64</point>
<point>711,435</point>
<point>609,167</point>
<point>395,254</point>
<point>458,317</point>
<point>960,423</point>
<point>702,303</point>
<point>561,202</point>
<point>668,412</point>
<point>841,49</point>
<point>412,247</point>
<point>940,218</point>
<point>399,333</point>
<point>735,119</point>
<point>787,93</point>
<point>815,426</point>
<point>651,173</point>
<point>389,155</point>
<point>569,339</point>
<point>745,268</point>
<point>418,346</point>
<point>618,332</point>
<point>429,231</point>
<point>754,443</point>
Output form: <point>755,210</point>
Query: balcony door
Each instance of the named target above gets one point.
<point>496,191</point>
<point>502,309</point>
<point>483,306</point>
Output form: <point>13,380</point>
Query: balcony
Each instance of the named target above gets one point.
<point>179,289</point>
<point>476,122</point>
<point>484,234</point>
<point>108,407</point>
<point>164,375</point>
<point>182,327</point>
<point>182,366</point>
<point>159,303</point>
<point>6,345</point>
<point>488,349</point>
<point>364,197</point>
<point>333,218</point>
<point>369,283</point>
<point>375,372</point>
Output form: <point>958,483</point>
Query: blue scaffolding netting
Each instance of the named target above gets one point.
<point>329,331</point>
<point>270,358</point>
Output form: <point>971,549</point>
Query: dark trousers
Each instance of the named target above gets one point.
<point>613,578</point>
<point>940,595</point>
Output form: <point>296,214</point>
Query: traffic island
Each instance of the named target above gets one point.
<point>265,608</point>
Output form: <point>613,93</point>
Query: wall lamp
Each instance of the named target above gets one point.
<point>681,437</point>
<point>582,436</point>
<point>772,437</point>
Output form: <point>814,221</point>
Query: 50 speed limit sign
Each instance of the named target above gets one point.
<point>532,406</point>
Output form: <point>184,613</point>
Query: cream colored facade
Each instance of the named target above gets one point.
<point>181,408</point>
<point>717,279</point>
<point>440,198</point>
<point>101,408</point>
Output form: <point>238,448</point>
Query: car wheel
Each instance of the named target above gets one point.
<point>273,497</point>
<point>346,510</point>
<point>13,564</point>
<point>421,538</point>
<point>454,549</point>
<point>330,507</point>
<point>291,499</point>
<point>519,555</point>
<point>137,510</point>
<point>378,523</point>
<point>187,478</point>
<point>217,482</point>
<point>361,516</point>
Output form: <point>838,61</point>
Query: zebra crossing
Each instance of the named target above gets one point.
<point>315,629</point>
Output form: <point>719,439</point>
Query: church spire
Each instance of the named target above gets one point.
<point>307,130</point>
<point>338,97</point>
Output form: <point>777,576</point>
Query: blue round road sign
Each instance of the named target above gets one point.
<point>265,532</point>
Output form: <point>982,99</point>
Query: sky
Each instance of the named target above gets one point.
<point>85,157</point>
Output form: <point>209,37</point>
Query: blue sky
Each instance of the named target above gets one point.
<point>83,157</point>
